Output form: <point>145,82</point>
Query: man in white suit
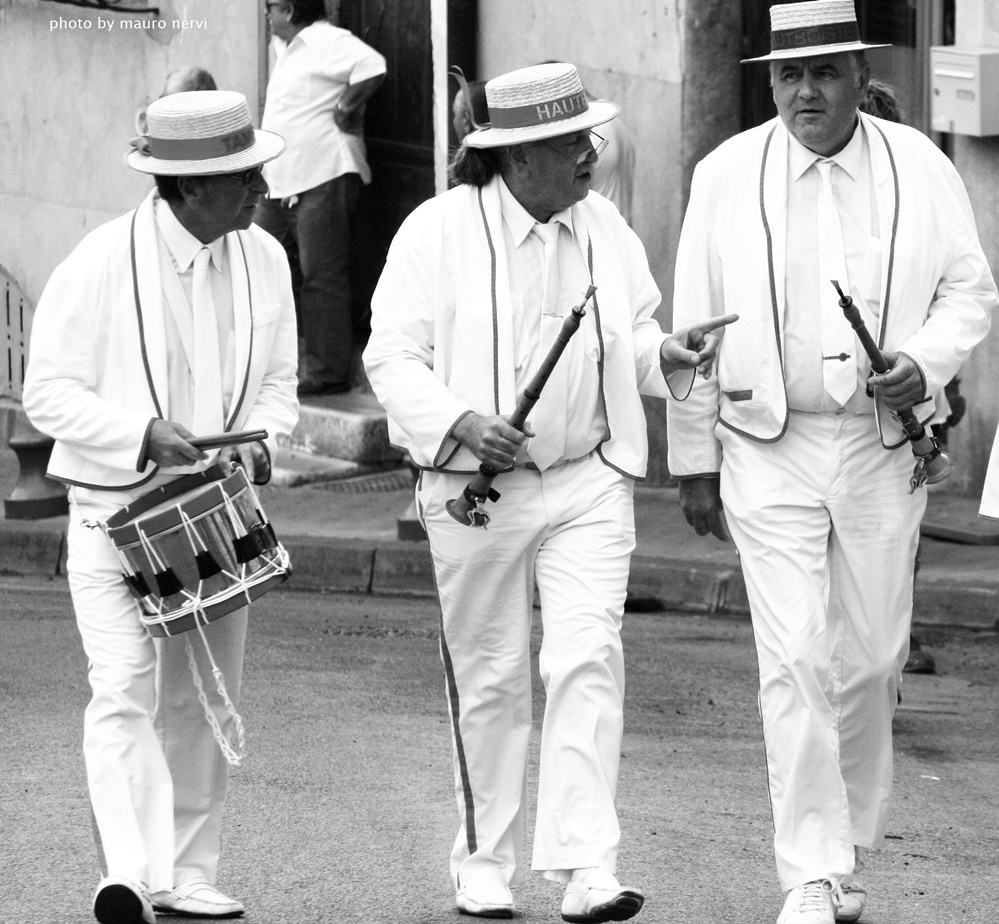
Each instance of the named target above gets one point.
<point>788,439</point>
<point>471,299</point>
<point>174,321</point>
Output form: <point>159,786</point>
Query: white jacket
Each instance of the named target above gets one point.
<point>442,327</point>
<point>937,291</point>
<point>97,364</point>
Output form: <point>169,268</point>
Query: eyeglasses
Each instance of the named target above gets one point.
<point>246,177</point>
<point>597,143</point>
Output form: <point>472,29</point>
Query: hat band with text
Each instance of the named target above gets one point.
<point>835,33</point>
<point>539,113</point>
<point>202,148</point>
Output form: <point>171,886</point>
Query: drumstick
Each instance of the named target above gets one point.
<point>234,437</point>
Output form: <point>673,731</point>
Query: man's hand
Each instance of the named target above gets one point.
<point>902,386</point>
<point>700,501</point>
<point>694,346</point>
<point>251,457</point>
<point>351,123</point>
<point>168,445</point>
<point>492,440</point>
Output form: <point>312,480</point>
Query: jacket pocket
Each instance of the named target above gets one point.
<point>268,316</point>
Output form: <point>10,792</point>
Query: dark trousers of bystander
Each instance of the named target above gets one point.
<point>315,229</point>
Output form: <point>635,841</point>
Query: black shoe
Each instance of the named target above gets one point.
<point>920,662</point>
<point>309,387</point>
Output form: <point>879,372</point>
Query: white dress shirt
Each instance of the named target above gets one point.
<point>586,424</point>
<point>853,191</point>
<point>178,248</point>
<point>309,77</point>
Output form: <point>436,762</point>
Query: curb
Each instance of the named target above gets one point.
<point>404,568</point>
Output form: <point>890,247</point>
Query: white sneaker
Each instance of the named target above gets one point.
<point>121,901</point>
<point>812,903</point>
<point>854,895</point>
<point>485,901</point>
<point>595,895</point>
<point>853,900</point>
<point>197,898</point>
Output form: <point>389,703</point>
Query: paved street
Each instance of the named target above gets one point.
<point>343,810</point>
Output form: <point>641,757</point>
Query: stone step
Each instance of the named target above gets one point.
<point>296,468</point>
<point>351,427</point>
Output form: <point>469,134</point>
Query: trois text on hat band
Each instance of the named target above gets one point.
<point>836,33</point>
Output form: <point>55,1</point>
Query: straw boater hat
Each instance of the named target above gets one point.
<point>199,133</point>
<point>538,102</point>
<point>816,27</point>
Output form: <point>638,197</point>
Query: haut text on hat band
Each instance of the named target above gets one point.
<point>837,33</point>
<point>202,148</point>
<point>539,113</point>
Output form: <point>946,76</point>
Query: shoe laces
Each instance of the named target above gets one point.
<point>814,896</point>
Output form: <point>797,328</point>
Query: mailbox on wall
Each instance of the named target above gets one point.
<point>964,82</point>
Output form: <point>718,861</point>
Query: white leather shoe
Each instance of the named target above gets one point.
<point>485,902</point>
<point>812,903</point>
<point>595,895</point>
<point>853,900</point>
<point>120,901</point>
<point>197,898</point>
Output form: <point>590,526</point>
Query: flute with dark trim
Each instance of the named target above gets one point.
<point>466,507</point>
<point>933,465</point>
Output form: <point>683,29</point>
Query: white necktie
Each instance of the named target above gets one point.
<point>208,417</point>
<point>839,359</point>
<point>551,410</point>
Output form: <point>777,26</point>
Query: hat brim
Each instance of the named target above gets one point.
<point>598,111</point>
<point>266,146</point>
<point>812,51</point>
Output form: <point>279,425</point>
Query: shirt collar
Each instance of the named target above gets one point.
<point>310,34</point>
<point>519,220</point>
<point>800,158</point>
<point>181,244</point>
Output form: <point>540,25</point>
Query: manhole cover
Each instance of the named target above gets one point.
<point>400,480</point>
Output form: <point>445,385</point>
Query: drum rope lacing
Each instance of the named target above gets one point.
<point>195,605</point>
<point>233,755</point>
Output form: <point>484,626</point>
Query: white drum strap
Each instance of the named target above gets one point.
<point>234,755</point>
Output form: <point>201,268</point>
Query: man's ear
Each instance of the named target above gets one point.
<point>190,188</point>
<point>519,158</point>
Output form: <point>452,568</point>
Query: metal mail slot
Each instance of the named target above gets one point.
<point>964,85</point>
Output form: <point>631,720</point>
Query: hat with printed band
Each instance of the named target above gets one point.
<point>815,27</point>
<point>199,133</point>
<point>538,102</point>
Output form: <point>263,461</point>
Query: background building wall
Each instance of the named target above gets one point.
<point>70,88</point>
<point>977,160</point>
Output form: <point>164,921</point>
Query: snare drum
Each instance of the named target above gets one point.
<point>196,549</point>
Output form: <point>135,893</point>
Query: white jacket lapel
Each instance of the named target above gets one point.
<point>242,310</point>
<point>149,298</point>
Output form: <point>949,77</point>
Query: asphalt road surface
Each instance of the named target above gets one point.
<point>343,809</point>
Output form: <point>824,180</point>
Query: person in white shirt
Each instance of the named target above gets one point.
<point>322,79</point>
<point>172,322</point>
<point>790,440</point>
<point>469,303</point>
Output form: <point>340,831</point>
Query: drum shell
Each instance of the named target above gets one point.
<point>214,516</point>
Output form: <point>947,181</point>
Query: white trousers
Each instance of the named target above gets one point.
<point>827,534</point>
<point>571,530</point>
<point>156,776</point>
